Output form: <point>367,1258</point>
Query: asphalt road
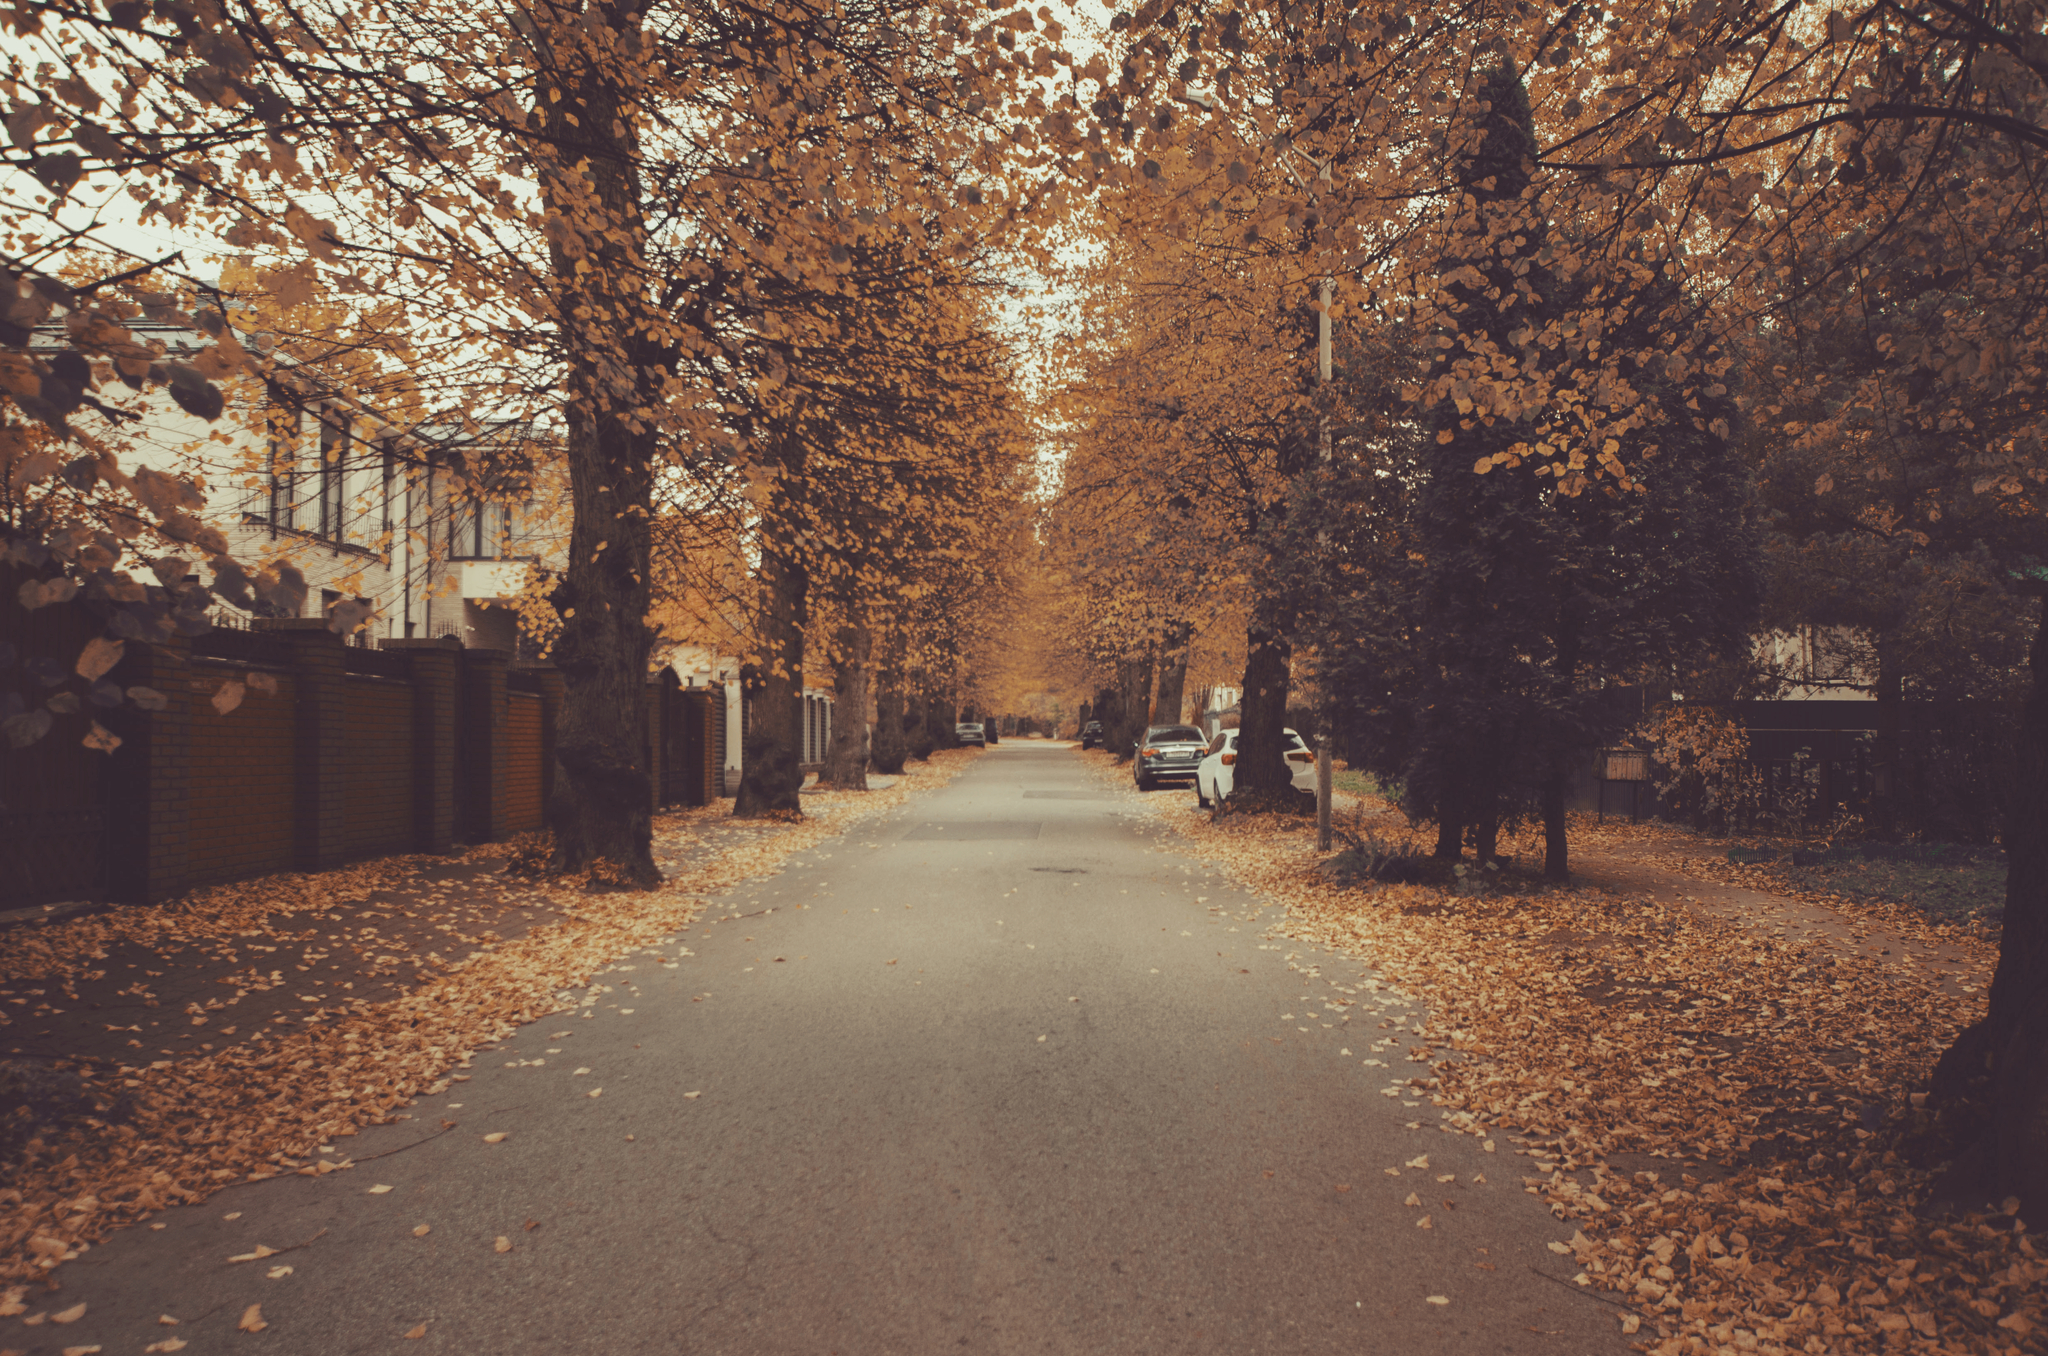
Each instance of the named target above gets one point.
<point>1005,1071</point>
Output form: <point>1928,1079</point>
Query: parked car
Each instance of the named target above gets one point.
<point>1091,735</point>
<point>970,732</point>
<point>1215,773</point>
<point>1167,753</point>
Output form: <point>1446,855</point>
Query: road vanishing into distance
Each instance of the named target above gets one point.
<point>1006,1070</point>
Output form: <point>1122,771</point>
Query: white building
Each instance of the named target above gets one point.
<point>403,518</point>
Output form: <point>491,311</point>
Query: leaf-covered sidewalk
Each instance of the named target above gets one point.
<point>172,1051</point>
<point>1726,1120</point>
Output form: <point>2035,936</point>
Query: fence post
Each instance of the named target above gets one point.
<point>319,837</point>
<point>433,666</point>
<point>483,739</point>
<point>146,825</point>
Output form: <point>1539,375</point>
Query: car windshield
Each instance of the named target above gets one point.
<point>1173,734</point>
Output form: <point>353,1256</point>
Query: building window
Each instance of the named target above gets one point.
<point>282,473</point>
<point>333,464</point>
<point>478,530</point>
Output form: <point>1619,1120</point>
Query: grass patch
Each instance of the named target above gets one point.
<point>1944,882</point>
<point>1359,784</point>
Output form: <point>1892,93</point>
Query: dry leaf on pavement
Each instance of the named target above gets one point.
<point>252,1319</point>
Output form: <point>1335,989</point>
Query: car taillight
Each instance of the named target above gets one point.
<point>1151,753</point>
<point>1301,756</point>
<point>1229,759</point>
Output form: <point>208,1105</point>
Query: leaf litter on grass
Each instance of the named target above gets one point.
<point>1717,1115</point>
<point>173,1131</point>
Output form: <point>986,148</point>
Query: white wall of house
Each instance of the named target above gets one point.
<point>1799,653</point>
<point>356,504</point>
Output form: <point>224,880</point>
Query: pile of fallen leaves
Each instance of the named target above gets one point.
<point>192,1126</point>
<point>1718,1112</point>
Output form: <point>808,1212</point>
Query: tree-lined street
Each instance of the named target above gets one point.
<point>1005,1070</point>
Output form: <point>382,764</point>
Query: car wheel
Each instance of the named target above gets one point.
<point>1145,783</point>
<point>1201,801</point>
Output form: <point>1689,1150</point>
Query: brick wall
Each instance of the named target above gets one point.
<point>377,773</point>
<point>412,747</point>
<point>240,775</point>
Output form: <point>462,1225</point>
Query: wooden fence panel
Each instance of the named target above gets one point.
<point>524,810</point>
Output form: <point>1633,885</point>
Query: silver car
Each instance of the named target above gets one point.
<point>1167,753</point>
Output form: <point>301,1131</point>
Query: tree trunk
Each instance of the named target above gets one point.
<point>1134,705</point>
<point>771,775</point>
<point>1556,853</point>
<point>1450,834</point>
<point>846,762</point>
<point>1173,674</point>
<point>1486,831</point>
<point>1884,759</point>
<point>1262,767</point>
<point>890,747</point>
<point>939,711</point>
<point>602,807</point>
<point>917,721</point>
<point>2011,1044</point>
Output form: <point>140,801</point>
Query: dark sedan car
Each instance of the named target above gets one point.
<point>1168,753</point>
<point>969,732</point>
<point>1091,735</point>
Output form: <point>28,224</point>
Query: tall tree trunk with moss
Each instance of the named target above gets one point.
<point>846,761</point>
<point>1994,1079</point>
<point>917,717</point>
<point>1262,771</point>
<point>771,775</point>
<point>1173,673</point>
<point>602,808</point>
<point>890,748</point>
<point>1134,705</point>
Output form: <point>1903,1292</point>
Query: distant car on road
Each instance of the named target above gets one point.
<point>970,732</point>
<point>1167,753</point>
<point>1091,735</point>
<point>1216,772</point>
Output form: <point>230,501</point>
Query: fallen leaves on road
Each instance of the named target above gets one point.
<point>503,1244</point>
<point>422,1230</point>
<point>256,1256</point>
<point>252,1319</point>
<point>254,1109</point>
<point>1720,1111</point>
<point>71,1315</point>
<point>497,1136</point>
<point>417,1333</point>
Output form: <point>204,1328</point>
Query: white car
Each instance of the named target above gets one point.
<point>1214,774</point>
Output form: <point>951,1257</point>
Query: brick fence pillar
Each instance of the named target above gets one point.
<point>149,789</point>
<point>435,669</point>
<point>484,758</point>
<point>319,823</point>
